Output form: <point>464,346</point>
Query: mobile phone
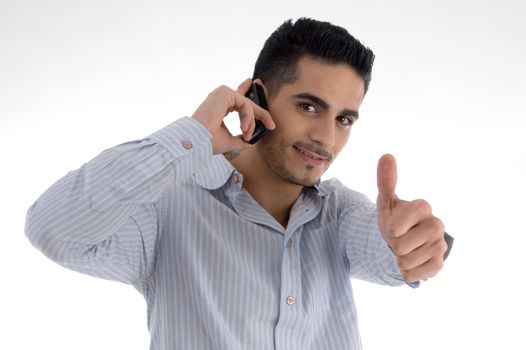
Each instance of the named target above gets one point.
<point>257,94</point>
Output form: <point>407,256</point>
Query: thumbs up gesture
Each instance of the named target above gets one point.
<point>415,236</point>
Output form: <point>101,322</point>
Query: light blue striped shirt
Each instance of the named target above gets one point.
<point>217,271</point>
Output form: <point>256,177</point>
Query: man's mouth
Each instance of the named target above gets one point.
<point>309,154</point>
<point>309,157</point>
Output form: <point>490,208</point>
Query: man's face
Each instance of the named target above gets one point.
<point>313,117</point>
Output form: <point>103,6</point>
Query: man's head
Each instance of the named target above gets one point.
<point>315,75</point>
<point>277,61</point>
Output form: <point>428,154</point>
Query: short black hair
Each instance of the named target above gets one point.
<point>277,62</point>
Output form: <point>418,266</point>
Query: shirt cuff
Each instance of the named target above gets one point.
<point>449,241</point>
<point>189,144</point>
<point>182,136</point>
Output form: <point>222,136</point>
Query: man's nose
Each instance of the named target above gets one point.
<point>323,132</point>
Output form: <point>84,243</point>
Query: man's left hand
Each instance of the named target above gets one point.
<point>415,236</point>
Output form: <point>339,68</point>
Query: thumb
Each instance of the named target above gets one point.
<point>386,182</point>
<point>244,86</point>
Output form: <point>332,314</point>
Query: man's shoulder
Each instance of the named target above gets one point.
<point>335,190</point>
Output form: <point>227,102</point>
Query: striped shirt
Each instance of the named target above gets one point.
<point>217,271</point>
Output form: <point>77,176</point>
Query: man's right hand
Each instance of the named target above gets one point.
<point>218,105</point>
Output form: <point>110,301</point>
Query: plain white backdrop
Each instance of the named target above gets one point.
<point>447,99</point>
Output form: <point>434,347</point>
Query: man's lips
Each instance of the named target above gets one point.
<point>310,154</point>
<point>311,158</point>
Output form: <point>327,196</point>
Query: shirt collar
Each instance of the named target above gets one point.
<point>217,172</point>
<point>322,188</point>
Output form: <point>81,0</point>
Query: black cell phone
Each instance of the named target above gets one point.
<point>257,94</point>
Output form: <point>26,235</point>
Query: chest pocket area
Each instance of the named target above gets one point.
<point>325,278</point>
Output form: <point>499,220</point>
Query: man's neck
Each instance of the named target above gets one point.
<point>274,194</point>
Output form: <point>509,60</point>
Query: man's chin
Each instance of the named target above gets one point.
<point>291,173</point>
<point>305,182</point>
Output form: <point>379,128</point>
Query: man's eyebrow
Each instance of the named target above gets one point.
<point>324,105</point>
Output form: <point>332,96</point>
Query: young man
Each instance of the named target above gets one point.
<point>249,251</point>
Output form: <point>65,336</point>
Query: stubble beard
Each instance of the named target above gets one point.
<point>272,150</point>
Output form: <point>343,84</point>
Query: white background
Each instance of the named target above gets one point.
<point>447,99</point>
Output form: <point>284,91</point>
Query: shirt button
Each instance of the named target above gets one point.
<point>289,243</point>
<point>235,179</point>
<point>187,144</point>
<point>290,300</point>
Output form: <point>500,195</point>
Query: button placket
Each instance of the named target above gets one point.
<point>290,311</point>
<point>291,255</point>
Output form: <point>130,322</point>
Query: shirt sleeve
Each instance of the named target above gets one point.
<point>368,255</point>
<point>103,218</point>
<point>366,252</point>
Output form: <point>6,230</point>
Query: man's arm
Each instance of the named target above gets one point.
<point>368,255</point>
<point>414,234</point>
<point>395,241</point>
<point>102,219</point>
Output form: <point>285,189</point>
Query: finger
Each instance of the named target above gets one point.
<point>245,108</point>
<point>428,269</point>
<point>420,255</point>
<point>247,134</point>
<point>405,244</point>
<point>229,143</point>
<point>259,112</point>
<point>427,231</point>
<point>247,128</point>
<point>407,215</point>
<point>386,182</point>
<point>237,143</point>
<point>244,86</point>
<point>245,121</point>
<point>264,115</point>
<point>242,89</point>
<point>249,112</point>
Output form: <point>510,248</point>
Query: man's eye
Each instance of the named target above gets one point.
<point>345,120</point>
<point>307,107</point>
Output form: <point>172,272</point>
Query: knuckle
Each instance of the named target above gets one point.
<point>442,246</point>
<point>398,247</point>
<point>218,90</point>
<point>392,231</point>
<point>221,92</point>
<point>408,275</point>
<point>403,263</point>
<point>437,225</point>
<point>422,205</point>
<point>437,265</point>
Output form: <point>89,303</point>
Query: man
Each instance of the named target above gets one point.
<point>240,246</point>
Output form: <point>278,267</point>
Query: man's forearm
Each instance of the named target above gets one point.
<point>101,218</point>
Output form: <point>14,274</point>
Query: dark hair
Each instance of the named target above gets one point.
<point>277,62</point>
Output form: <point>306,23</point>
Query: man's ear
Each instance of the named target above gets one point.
<point>260,82</point>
